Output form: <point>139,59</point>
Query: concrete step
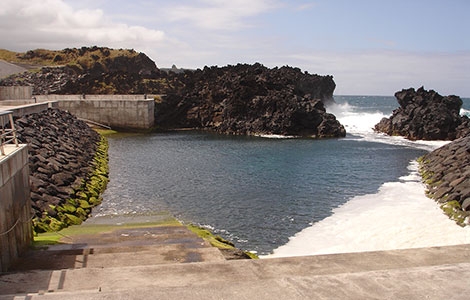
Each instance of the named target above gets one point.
<point>120,248</point>
<point>428,273</point>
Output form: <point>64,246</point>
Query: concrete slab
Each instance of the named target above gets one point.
<point>169,262</point>
<point>245,280</point>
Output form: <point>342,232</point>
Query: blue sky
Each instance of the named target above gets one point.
<point>370,47</point>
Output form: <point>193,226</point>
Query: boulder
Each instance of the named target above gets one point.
<point>426,115</point>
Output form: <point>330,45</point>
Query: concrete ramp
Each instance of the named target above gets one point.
<point>156,264</point>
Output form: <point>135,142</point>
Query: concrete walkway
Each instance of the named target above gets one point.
<point>172,263</point>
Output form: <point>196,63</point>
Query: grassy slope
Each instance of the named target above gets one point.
<point>84,57</point>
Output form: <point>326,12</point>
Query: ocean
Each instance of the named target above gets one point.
<point>286,196</point>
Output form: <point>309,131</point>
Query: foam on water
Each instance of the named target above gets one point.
<point>275,136</point>
<point>398,216</point>
<point>465,112</point>
<point>359,125</point>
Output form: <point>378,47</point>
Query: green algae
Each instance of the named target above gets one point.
<point>450,207</point>
<point>216,240</point>
<point>78,207</point>
<point>454,211</point>
<point>67,234</point>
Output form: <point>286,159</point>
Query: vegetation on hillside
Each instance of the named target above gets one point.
<point>89,70</point>
<point>84,57</point>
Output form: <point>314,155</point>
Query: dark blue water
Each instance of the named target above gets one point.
<point>255,191</point>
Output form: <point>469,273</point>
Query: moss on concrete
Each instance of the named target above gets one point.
<point>216,240</point>
<point>66,234</point>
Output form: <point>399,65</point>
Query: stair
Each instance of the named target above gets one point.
<point>122,248</point>
<point>172,263</point>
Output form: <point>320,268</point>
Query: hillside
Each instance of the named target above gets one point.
<point>89,70</point>
<point>82,59</point>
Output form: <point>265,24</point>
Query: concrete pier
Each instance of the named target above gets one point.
<point>121,112</point>
<point>127,112</point>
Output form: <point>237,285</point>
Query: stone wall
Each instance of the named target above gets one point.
<point>446,172</point>
<point>15,205</point>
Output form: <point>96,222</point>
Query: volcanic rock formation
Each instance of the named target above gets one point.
<point>241,99</point>
<point>426,115</point>
<point>251,99</point>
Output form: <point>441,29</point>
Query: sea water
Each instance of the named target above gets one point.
<point>397,216</point>
<point>285,197</point>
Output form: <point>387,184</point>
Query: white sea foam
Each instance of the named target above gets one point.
<point>465,112</point>
<point>398,216</point>
<point>359,125</point>
<point>275,136</point>
<point>355,121</point>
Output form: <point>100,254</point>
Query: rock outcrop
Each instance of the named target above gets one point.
<point>66,175</point>
<point>241,99</point>
<point>426,115</point>
<point>89,70</point>
<point>446,172</point>
<point>250,99</point>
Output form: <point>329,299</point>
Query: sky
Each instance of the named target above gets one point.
<point>371,47</point>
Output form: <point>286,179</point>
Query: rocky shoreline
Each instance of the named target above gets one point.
<point>250,100</point>
<point>426,115</point>
<point>446,173</point>
<point>68,167</point>
<point>245,99</point>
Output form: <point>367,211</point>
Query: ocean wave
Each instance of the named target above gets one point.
<point>360,124</point>
<point>465,112</point>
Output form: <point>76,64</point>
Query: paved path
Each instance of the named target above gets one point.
<point>7,69</point>
<point>172,263</point>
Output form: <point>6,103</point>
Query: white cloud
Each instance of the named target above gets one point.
<point>210,32</point>
<point>220,14</point>
<point>28,24</point>
<point>385,72</point>
<point>306,6</point>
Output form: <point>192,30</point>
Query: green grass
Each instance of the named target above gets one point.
<point>82,58</point>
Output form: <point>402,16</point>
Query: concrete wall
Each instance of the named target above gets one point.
<point>119,114</point>
<point>15,92</point>
<point>126,112</point>
<point>117,111</point>
<point>15,205</point>
<point>53,97</point>
<point>19,111</point>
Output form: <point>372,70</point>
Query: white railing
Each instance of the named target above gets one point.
<point>7,130</point>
